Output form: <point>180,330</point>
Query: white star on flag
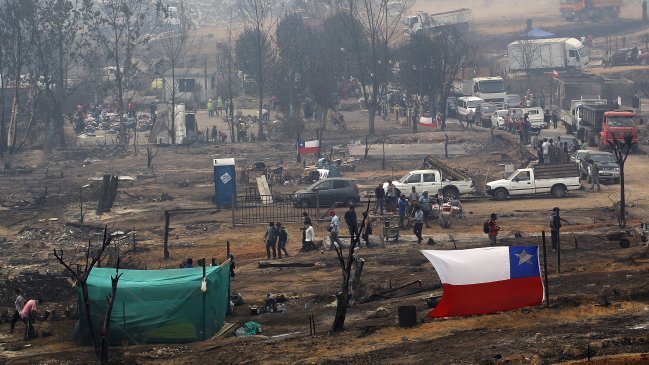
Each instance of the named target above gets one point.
<point>524,257</point>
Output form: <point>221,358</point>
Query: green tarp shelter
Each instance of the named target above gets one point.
<point>157,306</point>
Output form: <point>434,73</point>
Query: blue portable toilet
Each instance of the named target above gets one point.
<point>225,182</point>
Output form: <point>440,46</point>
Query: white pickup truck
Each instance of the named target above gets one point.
<point>432,180</point>
<point>543,179</point>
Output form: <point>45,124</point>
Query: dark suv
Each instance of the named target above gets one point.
<point>608,167</point>
<point>328,191</point>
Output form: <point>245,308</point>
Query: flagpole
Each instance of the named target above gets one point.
<point>545,271</point>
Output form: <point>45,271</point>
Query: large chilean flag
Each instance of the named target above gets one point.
<point>487,280</point>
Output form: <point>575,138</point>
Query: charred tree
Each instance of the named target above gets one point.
<point>621,150</point>
<point>80,277</point>
<point>343,296</point>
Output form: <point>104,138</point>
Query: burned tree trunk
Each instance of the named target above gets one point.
<point>343,296</point>
<point>80,276</point>
<point>105,331</point>
<point>108,194</point>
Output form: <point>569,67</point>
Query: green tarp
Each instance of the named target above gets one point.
<point>157,306</point>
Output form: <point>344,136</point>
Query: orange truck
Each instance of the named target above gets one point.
<point>580,10</point>
<point>600,124</point>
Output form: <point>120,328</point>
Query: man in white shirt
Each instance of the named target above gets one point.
<point>19,303</point>
<point>546,150</point>
<point>333,231</point>
<point>309,234</point>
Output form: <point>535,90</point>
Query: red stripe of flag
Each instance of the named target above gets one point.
<point>466,300</point>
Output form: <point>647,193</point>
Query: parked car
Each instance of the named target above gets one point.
<point>627,56</point>
<point>498,119</point>
<point>328,191</point>
<point>608,167</point>
<point>483,114</point>
<point>512,101</point>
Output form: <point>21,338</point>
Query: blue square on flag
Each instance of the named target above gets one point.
<point>524,261</point>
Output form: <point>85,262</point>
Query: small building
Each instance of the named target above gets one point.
<point>192,85</point>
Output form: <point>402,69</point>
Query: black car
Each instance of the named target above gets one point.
<point>608,167</point>
<point>328,191</point>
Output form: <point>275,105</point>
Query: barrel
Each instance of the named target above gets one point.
<point>407,315</point>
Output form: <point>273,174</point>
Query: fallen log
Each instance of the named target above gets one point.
<point>267,264</point>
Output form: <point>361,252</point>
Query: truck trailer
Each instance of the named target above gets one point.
<point>547,54</point>
<point>425,22</point>
<point>580,10</point>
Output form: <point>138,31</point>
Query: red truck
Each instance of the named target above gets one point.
<point>600,124</point>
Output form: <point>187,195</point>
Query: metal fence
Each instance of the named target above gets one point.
<point>254,208</point>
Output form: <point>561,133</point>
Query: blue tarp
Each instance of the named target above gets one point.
<point>538,33</point>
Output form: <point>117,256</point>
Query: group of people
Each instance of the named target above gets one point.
<point>25,310</point>
<point>276,238</point>
<point>351,220</point>
<point>418,208</point>
<point>549,151</point>
<point>215,107</point>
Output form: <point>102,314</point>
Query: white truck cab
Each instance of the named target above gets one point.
<point>466,107</point>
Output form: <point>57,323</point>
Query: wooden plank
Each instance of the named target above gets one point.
<point>264,190</point>
<point>447,171</point>
<point>268,264</point>
<point>226,329</point>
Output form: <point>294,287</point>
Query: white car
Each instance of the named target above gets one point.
<point>498,119</point>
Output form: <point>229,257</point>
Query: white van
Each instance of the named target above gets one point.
<point>466,107</point>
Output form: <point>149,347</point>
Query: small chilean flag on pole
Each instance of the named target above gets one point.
<point>304,148</point>
<point>428,122</point>
<point>487,280</point>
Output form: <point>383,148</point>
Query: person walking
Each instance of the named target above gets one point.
<point>413,199</point>
<point>271,240</point>
<point>493,229</point>
<point>391,197</point>
<point>555,226</point>
<point>28,316</point>
<point>19,303</point>
<point>424,204</point>
<point>419,223</point>
<point>306,219</point>
<point>545,146</point>
<point>367,231</point>
<point>210,108</point>
<point>307,222</point>
<point>334,227</point>
<point>351,221</point>
<point>219,106</point>
<point>379,194</point>
<point>555,119</point>
<point>309,235</point>
<point>593,174</point>
<point>401,208</point>
<point>547,118</point>
<point>282,240</point>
